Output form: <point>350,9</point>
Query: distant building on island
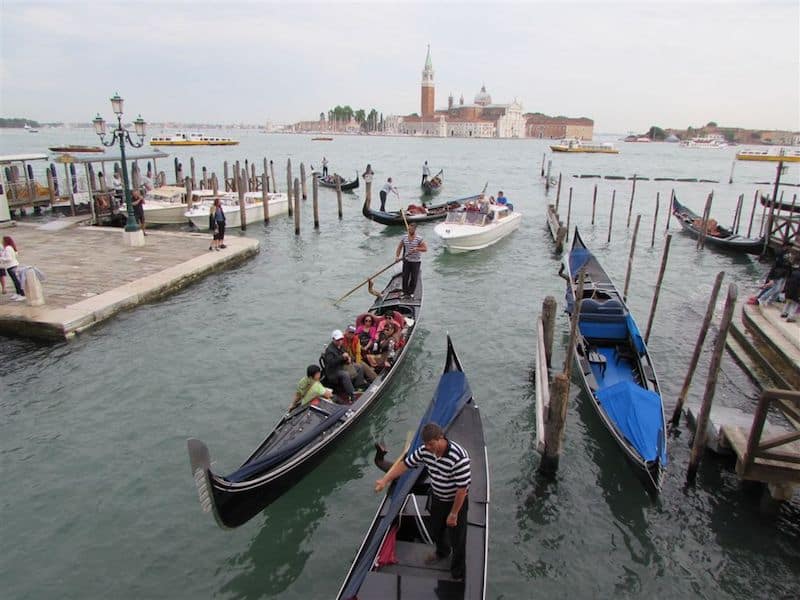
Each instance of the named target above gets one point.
<point>482,118</point>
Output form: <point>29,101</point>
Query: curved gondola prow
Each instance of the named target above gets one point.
<point>451,363</point>
<point>577,240</point>
<point>200,461</point>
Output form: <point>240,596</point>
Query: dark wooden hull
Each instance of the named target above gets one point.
<point>411,578</point>
<point>599,285</point>
<point>300,440</point>
<point>346,185</point>
<point>428,189</point>
<point>728,241</point>
<point>780,206</point>
<point>435,212</point>
<point>73,149</point>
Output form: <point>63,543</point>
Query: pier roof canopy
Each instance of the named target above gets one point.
<point>9,158</point>
<point>69,158</point>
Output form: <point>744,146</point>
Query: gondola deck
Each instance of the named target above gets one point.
<point>403,513</point>
<point>433,185</point>
<point>616,369</point>
<point>435,212</point>
<point>301,438</point>
<point>726,240</point>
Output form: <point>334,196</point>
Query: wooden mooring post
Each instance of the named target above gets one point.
<point>192,171</point>
<point>549,307</point>
<point>315,198</point>
<point>204,182</point>
<point>630,204</point>
<point>733,165</point>
<point>266,172</point>
<point>240,190</point>
<point>569,211</point>
<point>699,443</point>
<point>187,186</point>
<point>752,214</point>
<point>225,186</point>
<point>630,258</point>
<point>265,194</point>
<point>611,216</point>
<point>272,175</point>
<point>544,157</point>
<point>547,178</point>
<point>701,239</point>
<point>558,192</point>
<point>594,201</point>
<point>289,184</point>
<point>303,187</point>
<point>698,348</point>
<point>296,206</point>
<point>236,177</point>
<point>669,208</point>
<point>214,185</point>
<point>654,303</point>
<point>737,215</point>
<point>655,221</point>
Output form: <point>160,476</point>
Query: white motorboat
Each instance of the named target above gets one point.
<point>465,230</point>
<point>703,143</point>
<point>165,206</point>
<point>254,207</point>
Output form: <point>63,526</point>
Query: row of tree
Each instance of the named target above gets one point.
<point>17,122</point>
<point>339,116</point>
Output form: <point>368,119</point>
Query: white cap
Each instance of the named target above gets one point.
<point>337,334</point>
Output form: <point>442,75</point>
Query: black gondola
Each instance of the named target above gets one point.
<point>780,206</point>
<point>433,185</point>
<point>329,181</point>
<point>616,368</point>
<point>726,238</point>
<point>435,212</point>
<point>301,438</point>
<point>401,518</point>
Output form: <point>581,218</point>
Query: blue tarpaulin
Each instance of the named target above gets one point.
<point>639,417</point>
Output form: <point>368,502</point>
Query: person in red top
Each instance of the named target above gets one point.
<point>352,346</point>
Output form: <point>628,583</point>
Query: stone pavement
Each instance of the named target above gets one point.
<point>91,275</point>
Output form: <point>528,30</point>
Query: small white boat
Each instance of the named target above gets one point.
<point>465,230</point>
<point>254,208</point>
<point>193,138</point>
<point>701,143</point>
<point>165,206</point>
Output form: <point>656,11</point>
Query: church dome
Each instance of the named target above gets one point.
<point>483,98</point>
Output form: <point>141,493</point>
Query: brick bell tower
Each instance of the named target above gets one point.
<point>426,104</point>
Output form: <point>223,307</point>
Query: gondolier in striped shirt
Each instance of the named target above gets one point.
<point>448,467</point>
<point>409,249</point>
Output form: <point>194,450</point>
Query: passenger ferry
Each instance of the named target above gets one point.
<point>575,145</point>
<point>770,155</point>
<point>700,143</point>
<point>191,139</point>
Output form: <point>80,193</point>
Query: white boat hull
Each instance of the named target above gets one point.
<point>465,237</point>
<point>278,205</point>
<point>164,214</point>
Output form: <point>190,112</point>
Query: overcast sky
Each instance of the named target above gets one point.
<point>625,65</point>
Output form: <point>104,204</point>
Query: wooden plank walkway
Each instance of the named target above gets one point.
<point>91,275</point>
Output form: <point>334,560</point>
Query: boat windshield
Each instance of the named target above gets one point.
<point>464,217</point>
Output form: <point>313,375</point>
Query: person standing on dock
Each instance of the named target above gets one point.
<point>9,262</point>
<point>385,190</point>
<point>426,173</point>
<point>409,248</point>
<point>449,470</point>
<point>216,223</point>
<point>137,201</point>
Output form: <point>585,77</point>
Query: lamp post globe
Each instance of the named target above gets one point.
<point>120,135</point>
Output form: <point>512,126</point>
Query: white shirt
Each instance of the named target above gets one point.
<point>388,187</point>
<point>426,170</point>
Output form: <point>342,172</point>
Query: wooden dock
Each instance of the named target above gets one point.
<point>90,275</point>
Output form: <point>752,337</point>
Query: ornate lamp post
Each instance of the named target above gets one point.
<point>133,233</point>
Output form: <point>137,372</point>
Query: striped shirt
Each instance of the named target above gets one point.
<point>411,252</point>
<point>448,473</point>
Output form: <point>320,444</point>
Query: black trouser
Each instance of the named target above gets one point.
<point>324,171</point>
<point>342,381</point>
<point>410,276</point>
<point>450,538</point>
<point>12,272</point>
<point>383,201</point>
<point>424,179</point>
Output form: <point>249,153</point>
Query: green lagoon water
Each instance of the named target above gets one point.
<point>96,492</point>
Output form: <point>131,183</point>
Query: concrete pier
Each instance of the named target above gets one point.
<point>91,275</point>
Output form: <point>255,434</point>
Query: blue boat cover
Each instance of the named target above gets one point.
<point>277,455</point>
<point>638,415</point>
<point>577,258</point>
<point>451,396</point>
<point>635,335</point>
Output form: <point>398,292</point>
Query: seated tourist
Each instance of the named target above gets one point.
<point>336,359</point>
<point>309,387</point>
<point>366,330</point>
<point>352,344</point>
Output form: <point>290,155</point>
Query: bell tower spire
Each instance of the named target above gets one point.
<point>427,88</point>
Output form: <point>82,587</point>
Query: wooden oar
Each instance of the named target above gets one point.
<point>403,214</point>
<point>367,280</point>
<point>406,446</point>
